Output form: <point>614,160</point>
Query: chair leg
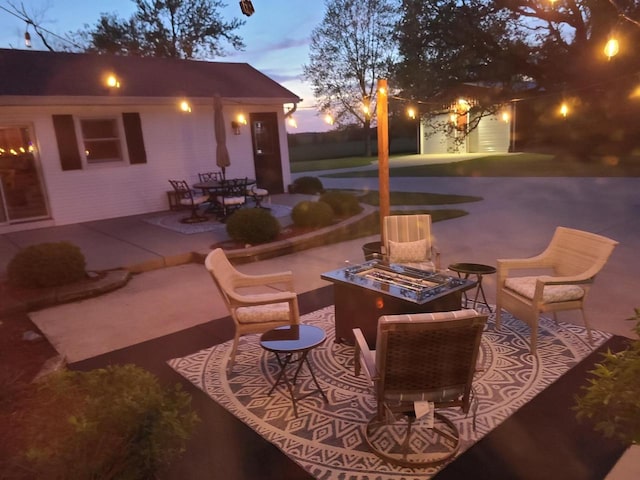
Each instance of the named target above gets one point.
<point>587,326</point>
<point>534,336</point>
<point>232,355</point>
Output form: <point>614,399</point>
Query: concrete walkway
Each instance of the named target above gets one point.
<point>516,219</point>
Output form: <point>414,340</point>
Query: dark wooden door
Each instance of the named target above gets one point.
<point>266,151</point>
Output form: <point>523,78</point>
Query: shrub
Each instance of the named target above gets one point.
<point>343,204</point>
<point>253,225</point>
<point>307,185</point>
<point>312,214</point>
<point>47,265</point>
<point>116,422</point>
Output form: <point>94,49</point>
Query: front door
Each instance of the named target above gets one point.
<point>266,151</point>
<point>21,190</point>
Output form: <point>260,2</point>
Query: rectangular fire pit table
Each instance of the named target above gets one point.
<point>364,292</point>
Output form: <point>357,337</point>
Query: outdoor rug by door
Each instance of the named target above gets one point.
<point>327,439</point>
<point>171,220</point>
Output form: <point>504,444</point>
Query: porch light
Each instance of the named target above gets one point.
<point>241,119</point>
<point>453,117</point>
<point>463,105</point>
<point>185,106</point>
<point>112,81</point>
<point>505,116</point>
<point>612,47</point>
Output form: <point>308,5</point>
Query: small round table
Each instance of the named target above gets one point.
<point>286,342</point>
<point>479,271</point>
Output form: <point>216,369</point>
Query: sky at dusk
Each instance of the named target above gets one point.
<point>276,37</point>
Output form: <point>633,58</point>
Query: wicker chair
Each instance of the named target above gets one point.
<point>187,198</point>
<point>408,241</point>
<point>570,263</point>
<point>425,357</point>
<point>252,312</point>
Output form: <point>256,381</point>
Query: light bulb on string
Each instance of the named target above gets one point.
<point>612,47</point>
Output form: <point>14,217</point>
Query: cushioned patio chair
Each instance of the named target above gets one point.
<point>210,176</point>
<point>253,312</point>
<point>232,196</point>
<point>257,194</point>
<point>408,241</point>
<point>185,197</point>
<point>566,269</point>
<point>420,359</point>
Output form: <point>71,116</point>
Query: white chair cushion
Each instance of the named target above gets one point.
<point>197,199</point>
<point>260,192</point>
<point>231,200</point>
<point>263,313</point>
<point>526,286</point>
<point>402,252</point>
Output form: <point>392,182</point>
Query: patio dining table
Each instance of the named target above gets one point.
<point>216,188</point>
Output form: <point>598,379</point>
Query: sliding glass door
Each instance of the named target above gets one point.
<point>22,195</point>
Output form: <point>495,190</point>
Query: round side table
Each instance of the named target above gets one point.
<point>287,341</point>
<point>479,271</point>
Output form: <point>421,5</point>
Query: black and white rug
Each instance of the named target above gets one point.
<point>171,220</point>
<point>327,439</point>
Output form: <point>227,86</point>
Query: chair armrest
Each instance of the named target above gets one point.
<point>244,280</point>
<point>572,280</point>
<point>239,299</point>
<point>363,354</point>
<point>507,264</point>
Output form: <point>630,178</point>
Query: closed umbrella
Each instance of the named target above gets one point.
<point>222,154</point>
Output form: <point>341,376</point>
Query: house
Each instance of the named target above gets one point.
<point>86,137</point>
<point>458,127</point>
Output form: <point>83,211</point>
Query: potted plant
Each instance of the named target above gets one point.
<point>611,400</point>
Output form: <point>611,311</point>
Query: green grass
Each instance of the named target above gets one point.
<point>417,198</point>
<point>521,165</point>
<point>330,164</point>
<point>370,225</point>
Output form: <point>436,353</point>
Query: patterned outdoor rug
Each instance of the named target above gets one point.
<point>327,439</point>
<point>171,220</point>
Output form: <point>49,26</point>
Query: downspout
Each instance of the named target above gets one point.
<point>292,111</point>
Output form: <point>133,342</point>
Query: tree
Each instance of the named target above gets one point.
<point>351,48</point>
<point>165,28</point>
<point>555,48</point>
<point>453,48</point>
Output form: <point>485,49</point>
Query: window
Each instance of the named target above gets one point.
<point>102,142</point>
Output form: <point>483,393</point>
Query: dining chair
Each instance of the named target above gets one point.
<point>232,196</point>
<point>188,198</point>
<point>257,194</point>
<point>210,176</point>
<point>558,279</point>
<point>253,312</point>
<point>422,363</point>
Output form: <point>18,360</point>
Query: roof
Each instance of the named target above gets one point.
<point>32,73</point>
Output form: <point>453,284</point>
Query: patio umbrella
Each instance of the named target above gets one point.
<point>222,154</point>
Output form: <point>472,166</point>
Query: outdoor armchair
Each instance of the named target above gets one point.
<point>408,241</point>
<point>420,359</point>
<point>187,198</point>
<point>251,311</point>
<point>569,266</point>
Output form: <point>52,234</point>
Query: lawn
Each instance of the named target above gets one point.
<point>521,165</point>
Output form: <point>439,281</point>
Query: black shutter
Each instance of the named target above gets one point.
<point>135,141</point>
<point>67,142</point>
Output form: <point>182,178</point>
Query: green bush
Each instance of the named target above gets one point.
<point>117,422</point>
<point>343,204</point>
<point>47,265</point>
<point>253,225</point>
<point>307,185</point>
<point>312,214</point>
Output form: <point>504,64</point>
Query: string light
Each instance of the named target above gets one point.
<point>564,109</point>
<point>411,112</point>
<point>612,47</point>
<point>292,122</point>
<point>27,37</point>
<point>185,107</point>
